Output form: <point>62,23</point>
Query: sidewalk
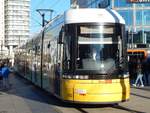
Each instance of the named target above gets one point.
<point>23,98</point>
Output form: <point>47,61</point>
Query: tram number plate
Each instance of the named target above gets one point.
<point>81,91</point>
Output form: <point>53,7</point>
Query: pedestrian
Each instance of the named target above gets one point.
<point>145,72</point>
<point>139,74</point>
<point>148,71</point>
<point>5,73</point>
<point>1,77</point>
<point>132,70</point>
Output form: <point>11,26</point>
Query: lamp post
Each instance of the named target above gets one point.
<point>133,25</point>
<point>42,13</point>
<point>144,18</point>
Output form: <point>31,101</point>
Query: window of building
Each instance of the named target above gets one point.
<point>142,36</point>
<point>138,17</point>
<point>143,17</point>
<point>127,15</point>
<point>147,35</point>
<point>143,5</point>
<point>122,3</point>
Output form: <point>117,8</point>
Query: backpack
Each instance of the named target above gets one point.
<point>5,71</point>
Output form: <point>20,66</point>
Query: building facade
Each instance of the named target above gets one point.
<point>136,14</point>
<point>16,22</point>
<point>88,3</point>
<point>2,30</point>
<point>137,17</point>
<point>14,25</point>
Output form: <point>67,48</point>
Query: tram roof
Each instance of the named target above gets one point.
<point>92,15</point>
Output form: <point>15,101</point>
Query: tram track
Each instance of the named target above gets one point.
<point>81,108</point>
<point>64,107</point>
<point>126,107</point>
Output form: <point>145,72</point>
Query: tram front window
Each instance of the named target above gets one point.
<point>98,49</point>
<point>97,57</point>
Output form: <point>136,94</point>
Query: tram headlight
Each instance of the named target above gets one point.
<point>86,77</point>
<point>83,77</point>
<point>76,77</point>
<point>67,76</point>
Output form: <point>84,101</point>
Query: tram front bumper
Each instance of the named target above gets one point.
<point>96,91</point>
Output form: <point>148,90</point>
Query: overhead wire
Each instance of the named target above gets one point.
<point>56,3</point>
<point>34,10</point>
<point>40,3</point>
<point>65,1</point>
<point>36,21</point>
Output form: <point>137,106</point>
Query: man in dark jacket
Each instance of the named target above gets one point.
<point>4,71</point>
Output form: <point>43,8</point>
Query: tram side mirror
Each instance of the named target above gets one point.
<point>61,36</point>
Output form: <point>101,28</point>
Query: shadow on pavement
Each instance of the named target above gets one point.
<point>146,88</point>
<point>25,89</point>
<point>140,96</point>
<point>127,109</point>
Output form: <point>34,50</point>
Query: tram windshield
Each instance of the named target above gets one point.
<point>95,49</point>
<point>98,48</point>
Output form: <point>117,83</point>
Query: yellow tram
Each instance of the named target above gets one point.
<point>83,58</point>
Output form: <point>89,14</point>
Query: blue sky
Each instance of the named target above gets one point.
<point>59,6</point>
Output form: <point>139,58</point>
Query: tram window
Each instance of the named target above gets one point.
<point>98,48</point>
<point>96,57</point>
<point>61,36</point>
<point>96,30</point>
<point>66,56</point>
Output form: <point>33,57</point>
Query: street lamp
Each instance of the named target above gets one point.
<point>42,13</point>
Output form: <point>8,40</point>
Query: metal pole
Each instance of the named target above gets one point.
<point>143,23</point>
<point>134,24</point>
<point>43,24</point>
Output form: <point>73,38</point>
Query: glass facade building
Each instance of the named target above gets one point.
<point>137,18</point>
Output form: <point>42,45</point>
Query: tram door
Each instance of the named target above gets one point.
<point>58,69</point>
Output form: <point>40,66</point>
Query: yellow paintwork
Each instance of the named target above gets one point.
<point>98,91</point>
